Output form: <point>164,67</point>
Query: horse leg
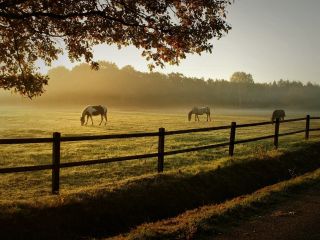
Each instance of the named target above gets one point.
<point>87,119</point>
<point>105,117</point>
<point>101,119</point>
<point>91,120</point>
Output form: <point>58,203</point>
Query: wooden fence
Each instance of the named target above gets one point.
<point>57,139</point>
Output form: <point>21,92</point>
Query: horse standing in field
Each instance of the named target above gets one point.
<point>94,111</point>
<point>199,111</point>
<point>278,114</point>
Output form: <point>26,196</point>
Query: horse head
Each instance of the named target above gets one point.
<point>82,120</point>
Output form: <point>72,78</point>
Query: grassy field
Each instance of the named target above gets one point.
<point>30,122</point>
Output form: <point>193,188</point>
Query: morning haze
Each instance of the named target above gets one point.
<point>192,151</point>
<point>271,39</point>
<point>127,87</point>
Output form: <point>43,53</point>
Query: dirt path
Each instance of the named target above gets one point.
<point>296,219</point>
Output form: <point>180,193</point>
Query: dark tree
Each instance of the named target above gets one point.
<point>241,77</point>
<point>165,29</point>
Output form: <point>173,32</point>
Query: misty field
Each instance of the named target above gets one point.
<point>29,122</point>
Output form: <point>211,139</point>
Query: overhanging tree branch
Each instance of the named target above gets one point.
<point>166,30</point>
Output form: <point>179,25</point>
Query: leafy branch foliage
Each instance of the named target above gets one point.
<point>166,30</point>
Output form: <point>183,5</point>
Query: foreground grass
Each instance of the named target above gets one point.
<point>108,210</point>
<point>210,220</point>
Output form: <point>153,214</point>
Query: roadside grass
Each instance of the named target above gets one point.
<point>211,220</point>
<point>110,208</point>
<point>41,123</point>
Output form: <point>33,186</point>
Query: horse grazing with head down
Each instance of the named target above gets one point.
<point>94,111</point>
<point>278,114</point>
<point>199,111</point>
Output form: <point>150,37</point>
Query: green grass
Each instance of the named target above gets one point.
<point>16,123</point>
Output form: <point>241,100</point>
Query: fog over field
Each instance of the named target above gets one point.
<point>156,119</point>
<point>128,88</point>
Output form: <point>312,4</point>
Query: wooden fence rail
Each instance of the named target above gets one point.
<point>57,139</point>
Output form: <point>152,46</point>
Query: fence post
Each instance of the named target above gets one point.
<point>161,150</point>
<point>276,133</point>
<point>55,162</point>
<point>232,138</point>
<point>307,127</point>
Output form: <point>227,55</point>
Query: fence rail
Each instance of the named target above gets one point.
<point>196,148</point>
<point>253,124</point>
<point>57,139</point>
<point>254,139</point>
<point>25,140</point>
<point>197,130</point>
<point>111,136</point>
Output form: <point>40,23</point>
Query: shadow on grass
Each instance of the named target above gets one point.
<point>150,199</point>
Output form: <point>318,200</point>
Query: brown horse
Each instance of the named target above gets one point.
<point>278,114</point>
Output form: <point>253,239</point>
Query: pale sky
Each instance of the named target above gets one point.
<point>271,39</point>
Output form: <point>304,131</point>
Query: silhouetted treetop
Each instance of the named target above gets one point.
<point>241,77</point>
<point>166,30</point>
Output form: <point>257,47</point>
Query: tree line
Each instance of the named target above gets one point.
<point>128,87</point>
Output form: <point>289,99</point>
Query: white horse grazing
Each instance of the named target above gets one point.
<point>94,111</point>
<point>199,111</point>
<point>278,114</point>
